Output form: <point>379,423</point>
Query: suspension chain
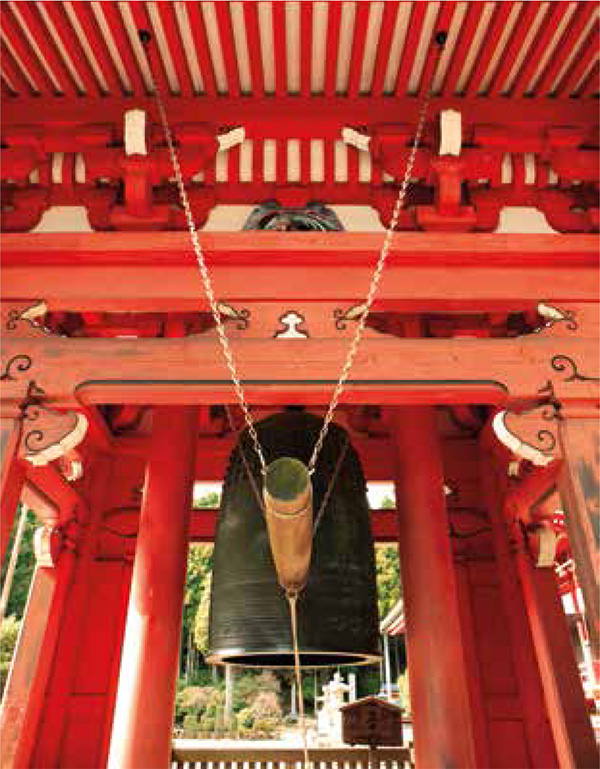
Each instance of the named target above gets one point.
<point>206,280</point>
<point>207,283</point>
<point>385,249</point>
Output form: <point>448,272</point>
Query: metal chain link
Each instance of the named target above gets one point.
<point>208,289</point>
<point>360,327</point>
<point>352,350</point>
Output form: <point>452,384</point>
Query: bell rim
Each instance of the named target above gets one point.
<point>355,659</point>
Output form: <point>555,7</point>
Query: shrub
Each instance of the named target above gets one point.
<point>266,706</point>
<point>265,727</point>
<point>245,719</point>
<point>207,723</point>
<point>190,724</point>
<point>195,698</point>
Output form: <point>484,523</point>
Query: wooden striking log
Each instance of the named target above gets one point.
<point>287,495</point>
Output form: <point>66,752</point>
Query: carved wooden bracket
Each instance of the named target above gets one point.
<point>569,370</point>
<point>542,541</point>
<point>48,542</point>
<point>291,322</point>
<point>49,434</point>
<point>553,315</point>
<point>530,434</point>
<point>23,318</point>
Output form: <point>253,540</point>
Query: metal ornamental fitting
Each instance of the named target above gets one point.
<point>287,495</point>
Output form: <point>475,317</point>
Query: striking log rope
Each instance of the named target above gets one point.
<point>292,599</point>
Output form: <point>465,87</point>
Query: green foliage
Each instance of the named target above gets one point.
<point>387,566</point>
<point>367,681</point>
<point>266,705</point>
<point>245,718</point>
<point>201,618</point>
<point>9,631</point>
<point>249,685</point>
<point>194,698</point>
<point>197,589</point>
<point>207,502</point>
<point>25,565</point>
<point>191,723</point>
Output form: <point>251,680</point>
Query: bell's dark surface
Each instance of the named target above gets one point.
<point>249,621</point>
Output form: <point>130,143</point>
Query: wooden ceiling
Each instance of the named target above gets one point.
<point>90,50</point>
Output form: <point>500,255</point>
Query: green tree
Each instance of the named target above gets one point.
<point>25,565</point>
<point>199,565</point>
<point>201,619</point>
<point>208,501</point>
<point>387,566</point>
<point>9,632</point>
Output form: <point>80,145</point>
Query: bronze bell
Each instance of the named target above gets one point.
<point>249,622</point>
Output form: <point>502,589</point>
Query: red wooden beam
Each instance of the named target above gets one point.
<point>276,372</point>
<point>7,88</point>
<point>432,56</point>
<point>538,47</point>
<point>142,20</point>
<point>13,71</point>
<point>462,45</point>
<point>223,14</point>
<point>580,19</point>
<point>357,50</point>
<point>591,85</point>
<point>305,161</point>
<point>586,55</point>
<point>386,32</point>
<point>91,28</point>
<point>284,117</point>
<point>305,53</point>
<point>280,161</point>
<point>254,47</point>
<point>527,15</point>
<point>30,15</point>
<point>415,27</point>
<point>95,271</point>
<point>334,15</point>
<point>257,160</point>
<point>175,44</point>
<point>279,48</point>
<point>71,44</point>
<point>488,47</point>
<point>198,30</point>
<point>13,33</point>
<point>116,25</point>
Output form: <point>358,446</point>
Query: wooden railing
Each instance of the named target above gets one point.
<point>289,758</point>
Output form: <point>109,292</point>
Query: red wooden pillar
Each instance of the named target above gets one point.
<point>12,475</point>
<point>443,730</point>
<point>23,699</point>
<point>71,724</point>
<point>546,632</point>
<point>569,718</point>
<point>579,490</point>
<point>539,744</point>
<point>143,718</point>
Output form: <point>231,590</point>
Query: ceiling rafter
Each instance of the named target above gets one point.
<point>90,50</point>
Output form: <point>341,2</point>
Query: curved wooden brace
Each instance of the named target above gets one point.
<point>520,433</point>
